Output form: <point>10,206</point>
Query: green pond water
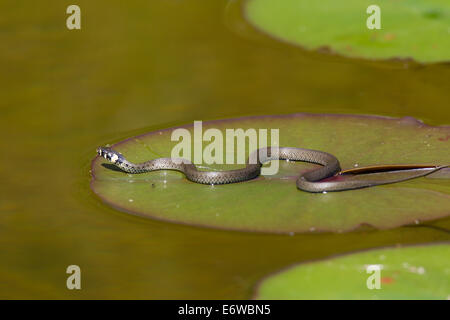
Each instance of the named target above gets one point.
<point>144,65</point>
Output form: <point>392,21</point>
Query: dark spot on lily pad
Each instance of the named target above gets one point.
<point>433,14</point>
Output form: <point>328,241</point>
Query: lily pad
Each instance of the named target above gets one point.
<point>419,272</point>
<point>417,29</point>
<point>273,203</point>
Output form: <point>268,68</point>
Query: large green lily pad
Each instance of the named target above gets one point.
<point>419,272</point>
<point>273,203</point>
<point>417,29</point>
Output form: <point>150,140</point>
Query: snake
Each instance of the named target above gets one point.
<point>310,181</point>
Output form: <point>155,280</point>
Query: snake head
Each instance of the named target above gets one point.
<point>110,155</point>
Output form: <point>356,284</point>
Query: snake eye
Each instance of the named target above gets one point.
<point>102,152</point>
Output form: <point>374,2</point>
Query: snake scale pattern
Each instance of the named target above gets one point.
<point>309,181</point>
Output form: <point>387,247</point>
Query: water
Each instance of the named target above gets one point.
<point>147,65</point>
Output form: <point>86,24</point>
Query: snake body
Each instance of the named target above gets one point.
<point>309,181</point>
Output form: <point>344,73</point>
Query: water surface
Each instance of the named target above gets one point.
<point>144,65</point>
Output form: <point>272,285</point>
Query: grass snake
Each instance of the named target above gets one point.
<point>309,181</point>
